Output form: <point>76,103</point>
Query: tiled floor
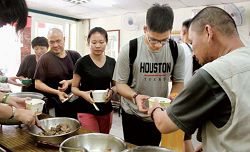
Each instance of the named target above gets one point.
<point>116,128</point>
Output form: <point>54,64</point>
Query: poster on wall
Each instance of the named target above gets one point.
<point>113,45</point>
<point>25,39</point>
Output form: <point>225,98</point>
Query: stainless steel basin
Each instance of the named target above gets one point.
<point>147,149</point>
<point>73,124</point>
<point>94,142</point>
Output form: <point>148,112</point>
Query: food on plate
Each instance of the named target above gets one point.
<point>58,130</point>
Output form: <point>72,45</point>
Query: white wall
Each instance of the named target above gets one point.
<point>81,36</point>
<point>74,30</point>
<point>113,23</point>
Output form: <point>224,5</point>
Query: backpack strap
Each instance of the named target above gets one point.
<point>196,64</point>
<point>191,50</point>
<point>132,56</point>
<point>174,51</point>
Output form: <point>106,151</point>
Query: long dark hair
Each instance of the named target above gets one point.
<point>13,11</point>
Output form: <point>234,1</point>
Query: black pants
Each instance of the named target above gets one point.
<point>139,132</point>
<point>66,109</point>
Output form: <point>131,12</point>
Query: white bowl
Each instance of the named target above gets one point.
<point>164,102</point>
<point>99,95</point>
<point>36,105</point>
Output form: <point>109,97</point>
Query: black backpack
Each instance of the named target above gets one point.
<point>133,54</point>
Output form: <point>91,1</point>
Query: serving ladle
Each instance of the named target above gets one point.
<point>38,124</point>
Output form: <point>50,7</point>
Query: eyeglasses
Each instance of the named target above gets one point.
<point>154,42</point>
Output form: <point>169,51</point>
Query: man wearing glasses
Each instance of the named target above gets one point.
<point>54,73</point>
<point>152,69</point>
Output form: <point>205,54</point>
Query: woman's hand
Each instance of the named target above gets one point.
<point>109,95</point>
<point>16,101</point>
<point>87,96</point>
<point>12,80</point>
<point>25,116</point>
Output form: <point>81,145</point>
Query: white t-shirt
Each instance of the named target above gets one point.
<point>188,62</point>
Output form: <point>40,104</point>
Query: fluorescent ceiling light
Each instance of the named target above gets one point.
<point>77,2</point>
<point>104,3</point>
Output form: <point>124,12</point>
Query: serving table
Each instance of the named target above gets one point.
<point>17,139</point>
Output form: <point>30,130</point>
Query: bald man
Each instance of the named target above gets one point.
<point>54,73</point>
<point>216,99</point>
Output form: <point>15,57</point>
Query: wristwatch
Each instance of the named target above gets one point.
<point>134,98</point>
<point>13,112</point>
<point>4,100</point>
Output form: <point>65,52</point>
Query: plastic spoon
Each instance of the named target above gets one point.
<point>96,108</point>
<point>70,95</point>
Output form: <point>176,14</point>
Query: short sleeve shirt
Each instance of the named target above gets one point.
<point>51,69</point>
<point>151,70</point>
<point>94,78</point>
<point>202,100</point>
<point>27,69</point>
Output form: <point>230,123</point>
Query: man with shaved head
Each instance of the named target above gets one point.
<point>216,99</point>
<point>54,73</point>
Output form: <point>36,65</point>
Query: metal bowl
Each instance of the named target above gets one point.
<point>148,149</point>
<point>55,140</point>
<point>94,142</point>
<point>32,95</point>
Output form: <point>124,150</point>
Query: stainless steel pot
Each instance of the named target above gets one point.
<point>73,124</point>
<point>147,149</point>
<point>32,95</point>
<point>94,142</point>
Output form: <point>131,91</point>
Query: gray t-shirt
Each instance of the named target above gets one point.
<point>151,72</point>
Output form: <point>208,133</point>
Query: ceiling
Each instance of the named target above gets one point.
<point>104,8</point>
